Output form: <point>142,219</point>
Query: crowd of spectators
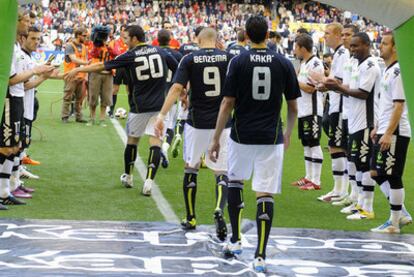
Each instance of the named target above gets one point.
<point>59,18</point>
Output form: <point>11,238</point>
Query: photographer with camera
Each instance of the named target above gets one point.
<point>100,83</point>
<point>75,56</point>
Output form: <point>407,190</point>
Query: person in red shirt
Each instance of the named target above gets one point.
<point>116,48</point>
<point>174,44</point>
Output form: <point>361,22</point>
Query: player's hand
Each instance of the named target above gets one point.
<point>159,127</point>
<point>373,134</point>
<point>214,150</point>
<point>69,76</point>
<point>385,142</point>
<point>331,84</point>
<point>40,69</point>
<point>316,78</point>
<point>321,88</point>
<point>286,140</point>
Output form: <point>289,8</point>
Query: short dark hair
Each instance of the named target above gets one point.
<point>389,33</point>
<point>136,31</point>
<point>198,30</point>
<point>164,37</point>
<point>166,22</point>
<point>302,31</point>
<point>241,35</point>
<point>355,28</point>
<point>32,29</point>
<point>305,41</point>
<point>256,28</point>
<point>363,37</point>
<point>327,55</point>
<point>274,34</point>
<point>32,15</point>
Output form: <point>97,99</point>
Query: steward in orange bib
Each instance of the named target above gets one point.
<point>75,56</point>
<point>100,83</point>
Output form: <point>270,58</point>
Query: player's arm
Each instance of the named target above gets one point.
<point>173,94</point>
<point>96,67</point>
<point>292,92</point>
<point>292,113</point>
<point>335,85</point>
<point>43,77</point>
<point>34,83</point>
<point>226,107</point>
<point>398,109</point>
<point>76,60</point>
<point>172,63</point>
<point>307,88</point>
<point>179,81</point>
<point>27,74</point>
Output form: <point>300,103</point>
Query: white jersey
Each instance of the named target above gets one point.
<point>17,67</point>
<point>366,76</point>
<point>310,104</point>
<point>392,90</point>
<point>345,81</point>
<point>340,58</point>
<point>30,93</point>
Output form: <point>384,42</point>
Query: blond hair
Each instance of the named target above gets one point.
<point>336,28</point>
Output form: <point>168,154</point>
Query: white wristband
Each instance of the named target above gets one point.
<point>161,116</point>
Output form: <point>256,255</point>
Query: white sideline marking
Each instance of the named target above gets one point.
<point>156,194</point>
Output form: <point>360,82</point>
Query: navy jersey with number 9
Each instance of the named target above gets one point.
<point>205,69</point>
<point>258,78</point>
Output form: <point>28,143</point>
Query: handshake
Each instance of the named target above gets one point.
<point>323,83</point>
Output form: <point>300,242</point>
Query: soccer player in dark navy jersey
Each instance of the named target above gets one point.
<point>192,46</point>
<point>147,67</point>
<point>182,112</point>
<point>205,71</point>
<point>255,84</point>
<point>240,46</point>
<point>164,37</point>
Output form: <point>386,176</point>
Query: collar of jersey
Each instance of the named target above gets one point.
<point>391,65</point>
<point>24,50</point>
<point>336,49</point>
<point>360,62</point>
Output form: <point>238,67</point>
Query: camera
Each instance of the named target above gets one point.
<point>99,35</point>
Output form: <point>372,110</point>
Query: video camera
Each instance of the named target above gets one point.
<point>100,35</point>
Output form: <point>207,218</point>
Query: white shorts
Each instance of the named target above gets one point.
<point>264,161</point>
<point>197,142</point>
<point>171,117</point>
<point>182,114</point>
<point>139,124</point>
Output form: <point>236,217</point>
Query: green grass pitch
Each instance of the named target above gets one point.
<point>81,167</point>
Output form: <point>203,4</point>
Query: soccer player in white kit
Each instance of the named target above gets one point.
<point>338,133</point>
<point>363,98</point>
<point>310,111</point>
<point>392,135</point>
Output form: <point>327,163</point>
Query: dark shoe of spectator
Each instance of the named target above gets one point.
<point>81,121</point>
<point>65,120</point>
